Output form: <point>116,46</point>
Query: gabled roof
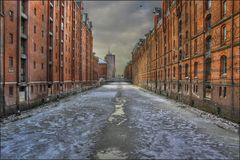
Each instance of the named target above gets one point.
<point>101,61</point>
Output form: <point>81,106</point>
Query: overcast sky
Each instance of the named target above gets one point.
<point>118,25</point>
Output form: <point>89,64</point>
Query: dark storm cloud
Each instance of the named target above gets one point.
<point>118,25</point>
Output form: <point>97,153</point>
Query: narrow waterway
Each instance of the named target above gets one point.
<point>118,121</point>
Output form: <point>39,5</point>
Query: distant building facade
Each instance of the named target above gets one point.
<point>192,55</point>
<point>102,68</point>
<point>110,59</point>
<point>95,74</point>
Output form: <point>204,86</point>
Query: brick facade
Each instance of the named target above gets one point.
<point>2,109</point>
<point>95,68</point>
<point>192,55</point>
<point>44,47</point>
<point>102,69</point>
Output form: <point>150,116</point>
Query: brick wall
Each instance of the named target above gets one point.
<point>183,55</point>
<point>45,50</point>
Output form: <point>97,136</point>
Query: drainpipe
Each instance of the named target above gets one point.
<point>156,79</point>
<point>27,63</point>
<point>60,51</point>
<point>2,62</point>
<point>232,79</point>
<point>18,57</point>
<point>147,60</point>
<point>190,23</point>
<point>48,78</point>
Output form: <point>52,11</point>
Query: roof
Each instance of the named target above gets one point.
<point>101,61</point>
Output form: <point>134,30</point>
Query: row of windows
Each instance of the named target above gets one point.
<point>35,48</point>
<point>223,68</point>
<point>11,14</point>
<point>195,88</point>
<point>10,64</point>
<point>222,91</point>
<point>223,6</point>
<point>38,88</point>
<point>11,38</point>
<point>35,65</point>
<point>208,6</point>
<point>186,87</point>
<point>35,30</point>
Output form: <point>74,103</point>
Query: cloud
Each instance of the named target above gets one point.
<point>119,25</point>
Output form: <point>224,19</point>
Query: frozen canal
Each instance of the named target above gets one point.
<point>118,121</point>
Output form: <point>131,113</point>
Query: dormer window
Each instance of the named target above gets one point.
<point>208,44</point>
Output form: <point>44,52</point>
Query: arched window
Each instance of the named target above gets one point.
<point>195,46</point>
<point>180,41</point>
<point>168,73</point>
<point>224,8</point>
<point>195,69</point>
<point>186,70</point>
<point>180,27</point>
<point>186,49</point>
<point>173,23</point>
<point>208,64</point>
<point>186,13</point>
<point>223,65</point>
<point>195,19</point>
<point>208,23</point>
<point>208,44</point>
<point>174,71</point>
<point>180,72</point>
<point>180,55</point>
<point>224,34</point>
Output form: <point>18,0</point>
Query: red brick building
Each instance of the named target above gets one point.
<point>102,68</point>
<point>90,55</point>
<point>87,50</point>
<point>192,55</point>
<point>24,53</point>
<point>95,68</point>
<point>2,108</point>
<point>44,50</point>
